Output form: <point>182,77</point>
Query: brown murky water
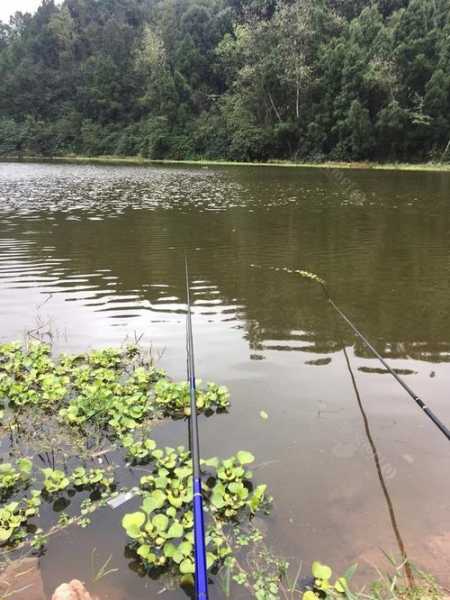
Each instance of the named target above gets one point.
<point>96,255</point>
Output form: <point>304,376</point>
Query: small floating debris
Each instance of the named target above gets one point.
<point>257,357</point>
<point>320,362</point>
<point>121,499</point>
<point>408,458</point>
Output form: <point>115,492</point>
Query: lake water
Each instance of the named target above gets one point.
<point>95,255</point>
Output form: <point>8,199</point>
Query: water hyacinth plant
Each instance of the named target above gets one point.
<point>117,396</point>
<point>173,398</point>
<point>162,530</point>
<point>55,481</point>
<point>91,479</point>
<point>15,515</point>
<point>12,477</point>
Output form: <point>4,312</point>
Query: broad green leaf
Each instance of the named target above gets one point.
<point>176,530</point>
<point>210,559</point>
<point>263,415</point>
<point>169,550</point>
<point>154,501</point>
<point>161,522</point>
<point>132,523</point>
<point>187,566</point>
<point>309,596</point>
<point>320,571</point>
<point>245,458</point>
<point>257,497</point>
<point>150,444</point>
<point>5,534</point>
<point>185,548</point>
<point>144,550</point>
<point>183,472</point>
<point>217,500</point>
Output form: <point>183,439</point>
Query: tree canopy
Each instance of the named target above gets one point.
<point>233,79</point>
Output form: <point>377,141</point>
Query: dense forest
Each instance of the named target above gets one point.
<point>232,79</point>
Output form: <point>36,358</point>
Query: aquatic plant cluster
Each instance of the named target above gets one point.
<point>115,397</point>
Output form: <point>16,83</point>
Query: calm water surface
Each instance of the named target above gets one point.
<point>95,255</point>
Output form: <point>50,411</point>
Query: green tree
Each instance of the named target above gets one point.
<point>253,79</point>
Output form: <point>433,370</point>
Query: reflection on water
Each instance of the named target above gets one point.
<point>379,469</point>
<point>96,254</point>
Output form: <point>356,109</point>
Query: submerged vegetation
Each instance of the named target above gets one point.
<point>226,79</point>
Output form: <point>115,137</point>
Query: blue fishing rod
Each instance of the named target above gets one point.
<point>201,571</point>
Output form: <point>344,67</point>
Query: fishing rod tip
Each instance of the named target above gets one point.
<point>311,276</point>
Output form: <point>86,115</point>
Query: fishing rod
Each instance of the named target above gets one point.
<point>405,386</point>
<point>201,572</point>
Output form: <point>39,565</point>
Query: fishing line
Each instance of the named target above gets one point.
<point>315,278</point>
<point>201,573</point>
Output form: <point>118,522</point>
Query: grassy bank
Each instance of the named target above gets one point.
<point>139,161</point>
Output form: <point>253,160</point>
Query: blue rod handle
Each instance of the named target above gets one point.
<point>201,571</point>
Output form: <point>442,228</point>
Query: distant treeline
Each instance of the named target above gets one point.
<point>233,79</point>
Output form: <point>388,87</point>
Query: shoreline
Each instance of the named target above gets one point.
<point>138,161</point>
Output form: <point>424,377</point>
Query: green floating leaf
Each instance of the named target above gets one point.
<point>210,559</point>
<point>176,530</point>
<point>25,465</point>
<point>145,551</point>
<point>245,458</point>
<point>132,523</point>
<point>154,501</point>
<point>161,522</point>
<point>263,415</point>
<point>185,548</point>
<point>187,567</point>
<point>320,571</point>
<point>169,550</point>
<point>5,534</point>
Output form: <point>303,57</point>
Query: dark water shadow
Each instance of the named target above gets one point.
<point>378,466</point>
